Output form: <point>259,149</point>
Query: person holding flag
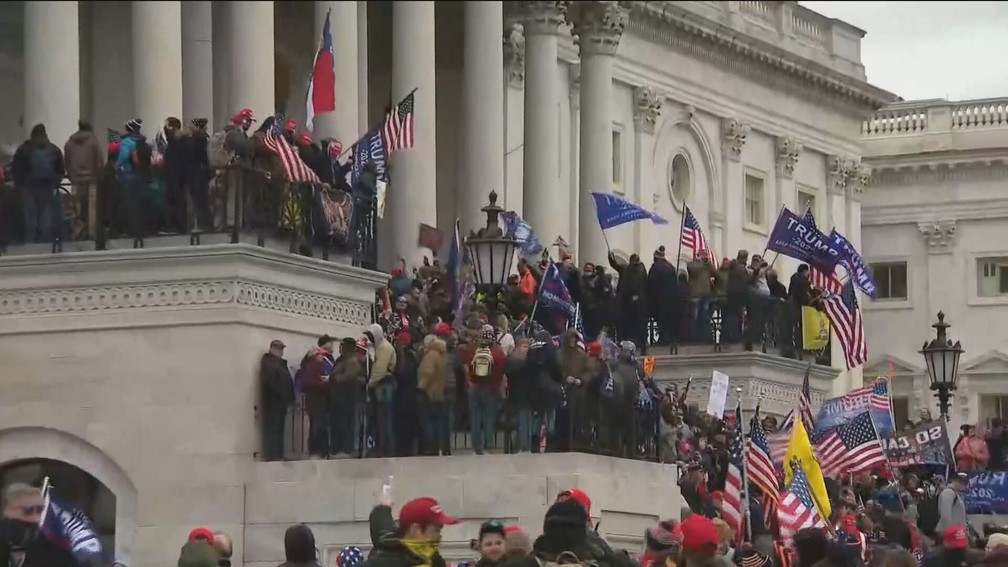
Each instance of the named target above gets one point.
<point>631,293</point>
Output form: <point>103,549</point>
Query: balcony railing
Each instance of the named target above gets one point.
<point>936,116</point>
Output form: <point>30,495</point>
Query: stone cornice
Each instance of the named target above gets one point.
<point>903,213</point>
<point>933,160</point>
<point>685,31</point>
<point>936,173</point>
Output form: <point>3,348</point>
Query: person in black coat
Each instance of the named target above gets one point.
<point>631,293</point>
<point>21,542</point>
<point>662,282</point>
<point>276,394</point>
<point>196,172</point>
<point>37,168</point>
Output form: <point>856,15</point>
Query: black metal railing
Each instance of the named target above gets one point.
<point>237,201</point>
<point>584,426</point>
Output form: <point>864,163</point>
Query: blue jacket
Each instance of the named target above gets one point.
<point>124,161</point>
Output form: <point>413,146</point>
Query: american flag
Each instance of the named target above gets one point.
<point>851,448</point>
<point>820,279</point>
<point>779,440</point>
<point>805,402</point>
<point>880,396</point>
<point>579,327</point>
<point>399,126</point>
<point>296,170</point>
<point>797,511</point>
<point>845,317</point>
<point>732,504</point>
<point>692,236</point>
<point>759,465</point>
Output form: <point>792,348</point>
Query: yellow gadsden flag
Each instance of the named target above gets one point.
<point>799,454</point>
<point>815,329</point>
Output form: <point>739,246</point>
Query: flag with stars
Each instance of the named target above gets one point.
<point>399,126</point>
<point>797,511</point>
<point>579,327</point>
<point>693,238</point>
<point>759,465</point>
<point>851,448</point>
<point>845,317</point>
<point>805,402</point>
<point>829,282</point>
<point>731,509</point>
<point>296,170</point>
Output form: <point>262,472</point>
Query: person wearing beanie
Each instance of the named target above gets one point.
<point>517,543</point>
<point>662,545</point>
<point>350,556</point>
<point>197,553</point>
<point>133,168</point>
<point>483,364</point>
<point>661,284</point>
<point>299,547</point>
<point>382,384</point>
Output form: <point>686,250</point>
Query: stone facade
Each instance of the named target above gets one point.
<point>936,205</point>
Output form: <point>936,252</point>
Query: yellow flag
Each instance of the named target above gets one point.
<point>799,454</point>
<point>815,329</point>
<point>649,364</point>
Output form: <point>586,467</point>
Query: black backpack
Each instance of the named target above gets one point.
<point>928,515</point>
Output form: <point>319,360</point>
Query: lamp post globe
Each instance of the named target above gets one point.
<point>941,359</point>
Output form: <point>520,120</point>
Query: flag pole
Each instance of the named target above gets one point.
<point>765,248</point>
<point>745,472</point>
<point>682,224</point>
<point>536,304</point>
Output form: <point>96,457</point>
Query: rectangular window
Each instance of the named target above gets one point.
<point>807,200</point>
<point>992,277</point>
<point>617,160</point>
<point>900,410</point>
<point>891,278</point>
<point>754,201</point>
<point>992,406</point>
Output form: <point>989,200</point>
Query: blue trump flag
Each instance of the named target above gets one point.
<point>794,237</point>
<point>521,231</point>
<point>861,274</point>
<point>72,530</point>
<point>614,211</point>
<point>369,149</point>
<point>553,293</point>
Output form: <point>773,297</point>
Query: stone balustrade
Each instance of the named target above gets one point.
<point>936,116</point>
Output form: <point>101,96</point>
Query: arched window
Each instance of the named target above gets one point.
<point>680,182</point>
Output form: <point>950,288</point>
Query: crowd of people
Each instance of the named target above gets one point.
<point>183,179</point>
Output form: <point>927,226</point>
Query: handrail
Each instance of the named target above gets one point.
<point>934,116</point>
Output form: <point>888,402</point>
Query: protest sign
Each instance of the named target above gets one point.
<point>718,394</point>
<point>925,444</point>
<point>987,493</point>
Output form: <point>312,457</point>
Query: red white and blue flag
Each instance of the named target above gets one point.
<point>759,464</point>
<point>72,530</point>
<point>734,494</point>
<point>845,317</point>
<point>399,126</point>
<point>805,402</point>
<point>693,238</point>
<point>852,447</point>
<point>797,511</point>
<point>322,88</point>
<point>296,170</point>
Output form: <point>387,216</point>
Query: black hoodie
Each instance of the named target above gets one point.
<point>299,547</point>
<point>564,531</point>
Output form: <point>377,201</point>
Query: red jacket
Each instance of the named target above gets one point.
<point>465,355</point>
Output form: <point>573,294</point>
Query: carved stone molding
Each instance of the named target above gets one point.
<point>598,25</point>
<point>647,109</point>
<point>939,236</point>
<point>787,155</point>
<point>860,177</point>
<point>688,113</point>
<point>733,133</point>
<point>183,294</point>
<point>542,17</point>
<point>839,173</point>
<point>514,55</point>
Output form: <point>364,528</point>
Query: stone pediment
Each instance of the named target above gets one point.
<point>880,367</point>
<point>991,362</point>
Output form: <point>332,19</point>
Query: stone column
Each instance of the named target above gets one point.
<point>544,207</point>
<point>412,194</point>
<point>598,26</point>
<point>52,68</point>
<point>252,59</point>
<point>647,109</point>
<point>157,62</point>
<point>197,61</point>
<point>733,139</point>
<point>838,170</point>
<point>362,70</point>
<point>221,14</point>
<point>482,111</point>
<point>787,151</point>
<point>344,123</point>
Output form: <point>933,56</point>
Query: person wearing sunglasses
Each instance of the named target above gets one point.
<point>20,544</point>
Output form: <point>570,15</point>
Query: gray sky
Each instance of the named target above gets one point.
<point>920,50</point>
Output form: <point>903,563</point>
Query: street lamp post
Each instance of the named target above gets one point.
<point>492,252</point>
<point>942,360</point>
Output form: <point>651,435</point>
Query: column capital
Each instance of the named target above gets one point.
<point>733,134</point>
<point>939,236</point>
<point>542,17</point>
<point>859,178</point>
<point>787,155</point>
<point>514,55</point>
<point>839,174</point>
<point>647,109</point>
<point>599,25</point>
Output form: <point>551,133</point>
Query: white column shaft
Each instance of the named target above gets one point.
<point>596,149</point>
<point>221,67</point>
<point>252,59</point>
<point>52,68</point>
<point>545,206</point>
<point>412,197</point>
<point>157,62</point>
<point>362,69</point>
<point>197,61</point>
<point>482,111</point>
<point>343,124</point>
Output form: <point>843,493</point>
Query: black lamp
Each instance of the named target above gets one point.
<point>942,360</point>
<point>491,251</point>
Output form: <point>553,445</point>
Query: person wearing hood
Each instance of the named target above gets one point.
<point>565,538</point>
<point>413,541</point>
<point>346,388</point>
<point>85,158</point>
<point>276,394</point>
<point>198,554</point>
<point>432,377</point>
<point>631,292</point>
<point>299,547</point>
<point>37,168</point>
<point>381,383</point>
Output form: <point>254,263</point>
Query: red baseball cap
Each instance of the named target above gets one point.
<point>699,534</point>
<point>511,529</point>
<point>955,537</point>
<point>577,495</point>
<point>202,534</point>
<point>848,524</point>
<point>424,511</point>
